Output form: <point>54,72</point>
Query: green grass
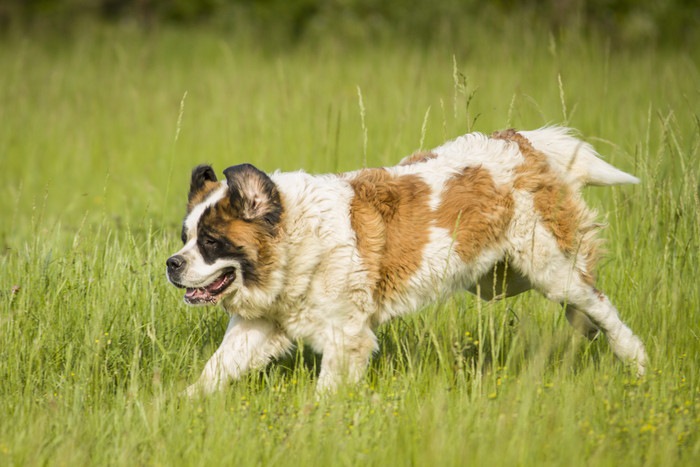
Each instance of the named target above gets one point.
<point>98,133</point>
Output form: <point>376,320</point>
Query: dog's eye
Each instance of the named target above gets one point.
<point>209,242</point>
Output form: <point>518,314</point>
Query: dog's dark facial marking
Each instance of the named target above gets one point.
<point>213,244</point>
<point>253,195</point>
<point>202,183</point>
<point>219,236</point>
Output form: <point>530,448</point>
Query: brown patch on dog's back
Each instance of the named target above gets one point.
<point>391,217</point>
<point>562,213</point>
<point>553,198</point>
<point>475,211</point>
<point>418,158</point>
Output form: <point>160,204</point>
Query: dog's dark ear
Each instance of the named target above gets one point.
<point>201,175</point>
<point>253,195</point>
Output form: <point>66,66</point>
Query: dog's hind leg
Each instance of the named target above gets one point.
<point>503,282</point>
<point>593,310</point>
<point>247,345</point>
<point>581,322</point>
<point>552,273</point>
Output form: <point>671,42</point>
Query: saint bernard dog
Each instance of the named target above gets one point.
<point>328,258</point>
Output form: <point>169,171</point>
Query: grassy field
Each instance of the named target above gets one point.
<point>98,133</point>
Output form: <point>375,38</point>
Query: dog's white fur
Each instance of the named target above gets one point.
<point>318,288</point>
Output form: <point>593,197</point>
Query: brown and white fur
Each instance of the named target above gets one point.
<point>327,258</point>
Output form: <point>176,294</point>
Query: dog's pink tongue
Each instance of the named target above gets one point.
<point>216,284</point>
<point>195,294</point>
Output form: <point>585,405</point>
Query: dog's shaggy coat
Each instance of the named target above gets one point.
<point>328,258</point>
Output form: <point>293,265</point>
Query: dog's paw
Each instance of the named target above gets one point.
<point>193,391</point>
<point>641,362</point>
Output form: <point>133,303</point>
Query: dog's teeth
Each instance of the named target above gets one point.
<point>194,294</point>
<point>217,283</point>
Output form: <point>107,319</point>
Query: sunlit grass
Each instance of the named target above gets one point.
<point>97,139</point>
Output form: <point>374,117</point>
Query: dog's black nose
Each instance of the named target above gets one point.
<point>174,263</point>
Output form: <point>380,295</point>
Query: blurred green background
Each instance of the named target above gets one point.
<point>284,22</point>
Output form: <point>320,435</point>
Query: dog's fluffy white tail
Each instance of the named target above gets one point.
<point>574,159</point>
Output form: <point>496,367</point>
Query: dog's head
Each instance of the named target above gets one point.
<point>227,233</point>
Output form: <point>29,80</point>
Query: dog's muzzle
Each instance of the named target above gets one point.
<point>208,294</point>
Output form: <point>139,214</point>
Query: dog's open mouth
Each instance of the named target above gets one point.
<point>212,292</point>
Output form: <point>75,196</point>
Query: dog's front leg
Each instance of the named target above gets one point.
<point>345,358</point>
<point>247,345</point>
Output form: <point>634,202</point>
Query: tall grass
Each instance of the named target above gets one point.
<point>98,135</point>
